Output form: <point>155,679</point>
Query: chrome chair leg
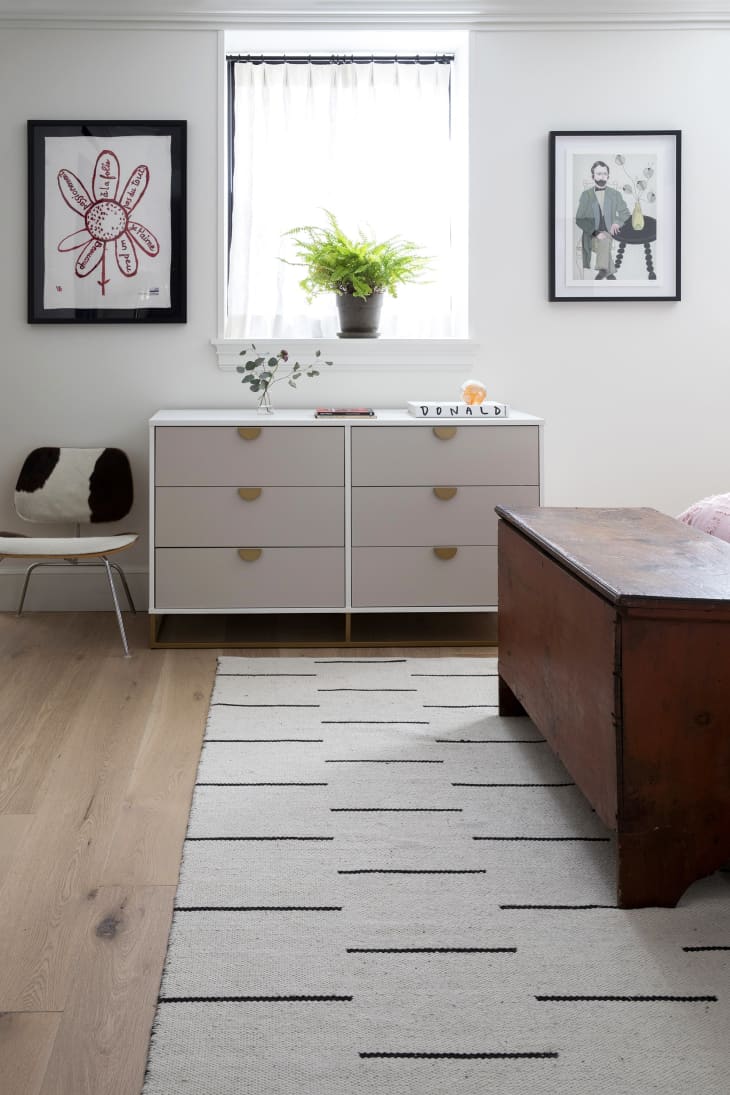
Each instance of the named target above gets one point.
<point>122,575</point>
<point>117,609</point>
<point>24,590</point>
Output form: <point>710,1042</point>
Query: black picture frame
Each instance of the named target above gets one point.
<point>639,258</point>
<point>107,221</point>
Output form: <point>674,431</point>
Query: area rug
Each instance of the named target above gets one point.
<point>387,889</point>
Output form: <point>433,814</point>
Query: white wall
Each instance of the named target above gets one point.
<point>634,394</point>
<point>99,384</point>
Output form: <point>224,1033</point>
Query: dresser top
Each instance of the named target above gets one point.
<point>233,416</point>
<point>631,557</point>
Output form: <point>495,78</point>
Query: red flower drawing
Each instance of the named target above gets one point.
<point>106,218</point>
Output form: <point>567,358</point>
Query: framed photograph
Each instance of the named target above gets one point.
<point>614,220</point>
<point>106,222</point>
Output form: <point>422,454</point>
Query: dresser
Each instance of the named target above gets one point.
<point>289,514</point>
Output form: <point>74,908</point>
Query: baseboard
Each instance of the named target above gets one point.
<point>69,589</point>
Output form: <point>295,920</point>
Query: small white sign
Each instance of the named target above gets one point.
<point>471,412</point>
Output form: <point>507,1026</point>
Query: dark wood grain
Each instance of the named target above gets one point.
<point>556,639</point>
<point>630,556</point>
<point>619,651</point>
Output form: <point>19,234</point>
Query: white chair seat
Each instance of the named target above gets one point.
<point>71,486</point>
<point>60,547</point>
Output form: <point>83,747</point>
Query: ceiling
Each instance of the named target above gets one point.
<point>494,12</point>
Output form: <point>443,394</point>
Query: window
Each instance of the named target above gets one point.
<point>371,138</point>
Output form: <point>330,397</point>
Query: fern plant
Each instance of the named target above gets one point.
<point>335,263</point>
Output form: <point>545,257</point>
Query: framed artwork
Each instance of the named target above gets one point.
<point>106,222</point>
<point>614,220</point>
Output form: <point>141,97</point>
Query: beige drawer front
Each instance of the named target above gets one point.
<point>192,456</point>
<point>400,516</point>
<point>474,455</point>
<point>280,578</point>
<point>414,577</point>
<point>271,516</point>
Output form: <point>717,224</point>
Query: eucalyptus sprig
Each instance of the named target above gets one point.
<point>262,371</point>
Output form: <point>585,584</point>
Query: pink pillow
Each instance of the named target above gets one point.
<point>710,515</point>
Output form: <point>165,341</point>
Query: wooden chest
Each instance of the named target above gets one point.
<point>614,637</point>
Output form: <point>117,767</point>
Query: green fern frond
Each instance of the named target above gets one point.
<point>335,263</point>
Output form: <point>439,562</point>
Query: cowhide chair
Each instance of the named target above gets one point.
<point>73,486</point>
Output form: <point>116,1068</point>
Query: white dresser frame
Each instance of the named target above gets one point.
<point>305,417</point>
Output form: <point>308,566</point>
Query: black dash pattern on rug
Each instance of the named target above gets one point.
<point>388,889</point>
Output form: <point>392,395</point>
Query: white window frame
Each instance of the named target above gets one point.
<point>365,353</point>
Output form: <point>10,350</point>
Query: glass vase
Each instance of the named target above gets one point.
<point>265,405</point>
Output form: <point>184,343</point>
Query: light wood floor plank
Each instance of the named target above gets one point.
<point>66,634</point>
<point>26,1042</point>
<point>112,1006</point>
<point>70,836</point>
<point>13,828</point>
<point>154,817</point>
<point>39,702</point>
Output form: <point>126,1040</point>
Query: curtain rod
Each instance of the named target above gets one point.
<point>339,59</point>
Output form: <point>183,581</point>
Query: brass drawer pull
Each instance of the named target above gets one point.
<point>249,555</point>
<point>445,552</point>
<point>444,433</point>
<point>249,433</point>
<point>445,493</point>
<point>249,494</point>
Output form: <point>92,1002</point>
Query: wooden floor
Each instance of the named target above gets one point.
<point>98,756</point>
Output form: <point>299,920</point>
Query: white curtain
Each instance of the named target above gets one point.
<point>371,143</point>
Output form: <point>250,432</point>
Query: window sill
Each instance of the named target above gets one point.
<point>366,353</point>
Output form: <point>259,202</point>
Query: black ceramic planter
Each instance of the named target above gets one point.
<point>359,318</point>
